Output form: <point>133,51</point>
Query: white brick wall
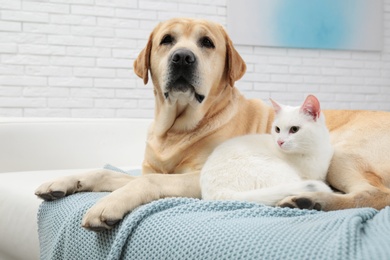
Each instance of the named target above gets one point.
<point>73,58</point>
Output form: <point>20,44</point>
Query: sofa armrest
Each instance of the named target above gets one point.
<point>30,144</point>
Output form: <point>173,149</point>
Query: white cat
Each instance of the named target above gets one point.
<point>267,168</point>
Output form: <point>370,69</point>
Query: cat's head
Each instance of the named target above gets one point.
<point>298,129</point>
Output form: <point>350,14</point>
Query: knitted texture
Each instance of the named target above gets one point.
<point>183,228</point>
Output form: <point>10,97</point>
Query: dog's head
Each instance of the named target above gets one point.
<point>189,60</point>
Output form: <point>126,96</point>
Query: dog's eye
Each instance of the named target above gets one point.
<point>167,39</point>
<point>207,42</point>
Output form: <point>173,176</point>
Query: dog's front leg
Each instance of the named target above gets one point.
<point>95,180</point>
<point>144,189</point>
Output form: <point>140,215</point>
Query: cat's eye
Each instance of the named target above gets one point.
<point>167,39</point>
<point>277,129</point>
<point>294,129</point>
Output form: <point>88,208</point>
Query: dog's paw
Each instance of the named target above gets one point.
<point>57,189</point>
<point>300,202</point>
<point>104,215</point>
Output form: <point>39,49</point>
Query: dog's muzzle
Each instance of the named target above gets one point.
<point>183,77</point>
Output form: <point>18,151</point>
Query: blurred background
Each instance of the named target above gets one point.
<point>74,58</point>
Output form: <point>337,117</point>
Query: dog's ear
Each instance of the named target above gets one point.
<point>235,65</point>
<point>142,63</point>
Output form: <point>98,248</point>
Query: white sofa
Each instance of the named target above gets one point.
<point>35,150</point>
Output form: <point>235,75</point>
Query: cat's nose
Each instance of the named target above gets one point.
<point>280,143</point>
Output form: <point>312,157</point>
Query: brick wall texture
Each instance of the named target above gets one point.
<point>74,58</point>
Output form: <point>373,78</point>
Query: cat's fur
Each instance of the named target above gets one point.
<point>267,168</point>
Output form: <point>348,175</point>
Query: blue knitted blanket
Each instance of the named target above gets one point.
<point>182,228</point>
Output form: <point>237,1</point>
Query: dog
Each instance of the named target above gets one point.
<point>193,66</point>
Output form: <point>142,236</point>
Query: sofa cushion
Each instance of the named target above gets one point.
<point>19,207</point>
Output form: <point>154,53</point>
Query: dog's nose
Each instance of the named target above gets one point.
<point>183,57</point>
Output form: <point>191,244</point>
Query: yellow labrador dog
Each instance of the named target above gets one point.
<point>194,65</point>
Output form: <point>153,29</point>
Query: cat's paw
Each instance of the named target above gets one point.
<point>299,202</point>
<point>309,199</point>
<point>316,186</point>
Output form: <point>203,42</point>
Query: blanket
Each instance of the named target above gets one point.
<point>184,228</point>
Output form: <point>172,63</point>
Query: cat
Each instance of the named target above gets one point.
<point>266,168</point>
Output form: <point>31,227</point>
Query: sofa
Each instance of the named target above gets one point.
<point>36,150</point>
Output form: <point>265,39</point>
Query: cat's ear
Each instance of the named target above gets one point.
<point>311,107</point>
<point>276,106</point>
